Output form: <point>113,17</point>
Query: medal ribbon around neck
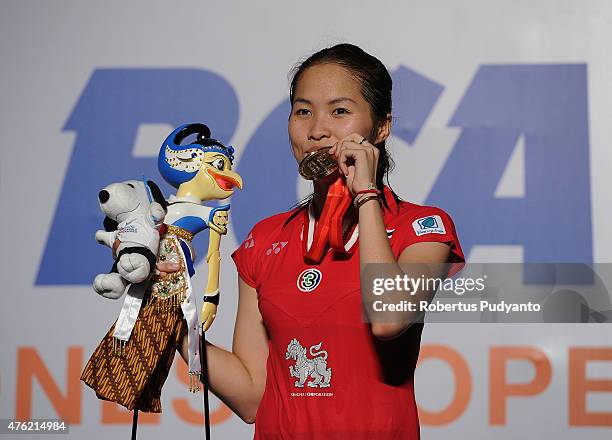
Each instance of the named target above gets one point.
<point>328,228</point>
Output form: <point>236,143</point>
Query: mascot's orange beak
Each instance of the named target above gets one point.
<point>226,180</point>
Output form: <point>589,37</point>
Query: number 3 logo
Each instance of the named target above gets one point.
<point>309,279</point>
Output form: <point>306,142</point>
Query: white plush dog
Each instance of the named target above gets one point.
<point>132,231</point>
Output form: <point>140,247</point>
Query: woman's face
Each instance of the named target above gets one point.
<point>327,107</point>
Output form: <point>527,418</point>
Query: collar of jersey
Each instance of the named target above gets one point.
<point>308,227</point>
<point>309,222</point>
<point>388,195</point>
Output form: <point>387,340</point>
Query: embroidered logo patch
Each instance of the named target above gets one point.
<point>314,368</point>
<point>428,225</point>
<point>309,279</point>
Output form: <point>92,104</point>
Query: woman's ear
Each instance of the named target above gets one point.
<point>384,130</point>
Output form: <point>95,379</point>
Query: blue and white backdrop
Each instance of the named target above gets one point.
<point>502,117</point>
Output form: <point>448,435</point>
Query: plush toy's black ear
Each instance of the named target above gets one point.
<point>110,224</point>
<point>157,194</point>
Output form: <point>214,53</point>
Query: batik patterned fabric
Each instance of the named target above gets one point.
<point>134,373</point>
<point>135,378</point>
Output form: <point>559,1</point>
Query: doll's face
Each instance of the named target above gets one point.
<point>215,179</point>
<point>120,201</point>
<point>328,106</point>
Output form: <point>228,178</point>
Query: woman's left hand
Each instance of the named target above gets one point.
<point>358,160</point>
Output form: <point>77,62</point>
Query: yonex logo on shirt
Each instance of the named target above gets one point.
<point>249,242</point>
<point>309,279</point>
<point>276,247</point>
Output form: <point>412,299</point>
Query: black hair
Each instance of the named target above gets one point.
<point>376,85</point>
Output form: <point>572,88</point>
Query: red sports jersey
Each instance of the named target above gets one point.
<point>328,377</point>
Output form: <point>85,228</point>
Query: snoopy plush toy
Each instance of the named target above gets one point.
<point>135,212</point>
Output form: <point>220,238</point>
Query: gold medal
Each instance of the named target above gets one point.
<point>318,164</point>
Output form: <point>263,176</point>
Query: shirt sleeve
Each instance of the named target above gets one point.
<point>432,225</point>
<point>245,259</point>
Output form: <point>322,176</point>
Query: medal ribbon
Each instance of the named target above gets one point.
<point>329,226</point>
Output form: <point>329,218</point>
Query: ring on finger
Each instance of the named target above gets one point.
<point>362,141</point>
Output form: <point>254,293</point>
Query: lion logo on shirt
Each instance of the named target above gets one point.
<point>315,368</point>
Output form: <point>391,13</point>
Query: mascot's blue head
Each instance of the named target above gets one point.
<point>180,163</point>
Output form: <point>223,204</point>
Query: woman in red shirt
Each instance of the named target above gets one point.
<point>304,363</point>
